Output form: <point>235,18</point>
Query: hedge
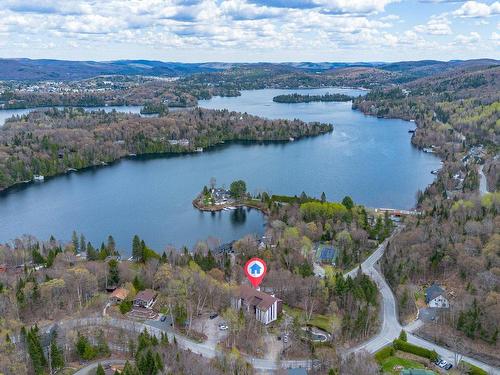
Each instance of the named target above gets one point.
<point>384,353</point>
<point>414,349</point>
<point>473,370</point>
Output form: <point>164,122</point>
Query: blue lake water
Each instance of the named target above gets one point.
<point>367,158</point>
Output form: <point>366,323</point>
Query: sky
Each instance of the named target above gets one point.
<point>250,30</point>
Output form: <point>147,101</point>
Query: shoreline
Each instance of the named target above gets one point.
<point>210,148</point>
<point>203,208</point>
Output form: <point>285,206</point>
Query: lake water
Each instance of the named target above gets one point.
<point>367,158</point>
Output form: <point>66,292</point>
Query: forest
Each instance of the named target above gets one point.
<point>298,98</point>
<point>54,282</point>
<point>455,242</point>
<point>53,141</point>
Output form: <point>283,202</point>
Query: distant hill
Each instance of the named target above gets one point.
<point>35,70</point>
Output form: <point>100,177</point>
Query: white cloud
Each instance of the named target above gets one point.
<point>471,39</point>
<point>438,25</point>
<point>477,9</point>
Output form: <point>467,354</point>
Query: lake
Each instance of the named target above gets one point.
<point>367,158</point>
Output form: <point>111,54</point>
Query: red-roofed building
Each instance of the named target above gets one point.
<point>266,307</point>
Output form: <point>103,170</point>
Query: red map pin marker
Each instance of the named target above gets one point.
<point>255,269</point>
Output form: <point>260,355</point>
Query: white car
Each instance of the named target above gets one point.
<point>442,364</point>
<point>223,327</point>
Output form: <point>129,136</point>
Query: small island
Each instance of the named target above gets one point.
<point>299,98</point>
<point>154,108</point>
<point>221,199</point>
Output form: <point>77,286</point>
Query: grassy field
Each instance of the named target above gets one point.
<point>389,363</point>
<point>324,322</point>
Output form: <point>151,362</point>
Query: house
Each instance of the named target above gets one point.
<point>225,248</point>
<point>265,306</point>
<point>145,298</point>
<point>118,295</point>
<point>435,297</point>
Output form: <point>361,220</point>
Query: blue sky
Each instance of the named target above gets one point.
<point>250,30</point>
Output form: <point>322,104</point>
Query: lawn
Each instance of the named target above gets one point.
<point>389,363</point>
<point>323,322</point>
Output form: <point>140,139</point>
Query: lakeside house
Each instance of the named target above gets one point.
<point>435,297</point>
<point>145,298</point>
<point>266,307</point>
<point>225,248</point>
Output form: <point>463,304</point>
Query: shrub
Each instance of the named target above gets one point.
<point>414,349</point>
<point>384,353</point>
<point>125,306</point>
<point>403,336</point>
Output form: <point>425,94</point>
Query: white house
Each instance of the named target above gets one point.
<point>266,307</point>
<point>435,297</point>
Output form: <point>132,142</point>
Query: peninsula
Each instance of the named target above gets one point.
<point>299,98</point>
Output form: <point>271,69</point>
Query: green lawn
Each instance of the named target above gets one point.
<point>391,362</point>
<point>323,322</point>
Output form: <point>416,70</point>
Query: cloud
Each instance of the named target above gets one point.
<point>476,9</point>
<point>438,25</point>
<point>471,39</point>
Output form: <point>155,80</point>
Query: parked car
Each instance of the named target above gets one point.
<point>163,318</point>
<point>285,338</point>
<point>437,361</point>
<point>223,326</point>
<point>448,366</point>
<point>214,315</point>
<point>442,364</point>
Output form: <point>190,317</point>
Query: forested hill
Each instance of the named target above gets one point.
<point>45,70</point>
<point>356,73</point>
<point>455,242</point>
<point>52,141</point>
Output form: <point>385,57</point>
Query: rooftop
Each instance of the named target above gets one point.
<point>256,298</point>
<point>146,295</point>
<point>433,291</point>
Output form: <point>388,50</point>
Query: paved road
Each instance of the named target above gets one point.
<point>483,184</point>
<point>391,327</point>
<point>389,331</point>
<point>88,369</point>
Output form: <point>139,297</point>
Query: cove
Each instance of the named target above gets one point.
<point>367,158</point>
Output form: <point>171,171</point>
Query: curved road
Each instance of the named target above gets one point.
<point>389,331</point>
<point>391,326</point>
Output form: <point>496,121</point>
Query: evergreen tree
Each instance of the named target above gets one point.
<point>35,350</point>
<point>137,250</point>
<point>113,272</point>
<point>323,197</point>
<point>111,245</point>
<point>56,355</point>
<point>347,202</point>
<point>91,252</point>
<point>83,246</point>
<point>75,242</point>
<point>100,370</point>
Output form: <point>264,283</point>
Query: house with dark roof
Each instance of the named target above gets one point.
<point>145,298</point>
<point>435,296</point>
<point>265,306</point>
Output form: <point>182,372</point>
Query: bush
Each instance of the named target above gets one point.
<point>414,349</point>
<point>125,306</point>
<point>384,353</point>
<point>471,369</point>
<point>403,336</point>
